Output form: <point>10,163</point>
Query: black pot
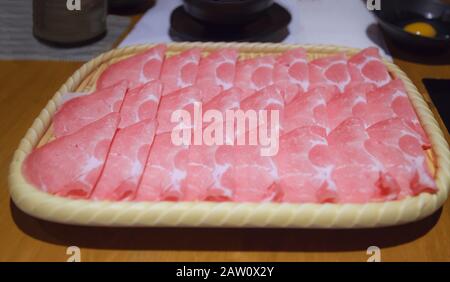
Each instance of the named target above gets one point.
<point>126,4</point>
<point>395,14</point>
<point>129,6</point>
<point>226,12</point>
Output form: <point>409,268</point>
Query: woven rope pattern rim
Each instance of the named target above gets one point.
<point>207,214</point>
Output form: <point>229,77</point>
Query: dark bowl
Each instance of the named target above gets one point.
<point>226,12</point>
<point>395,14</point>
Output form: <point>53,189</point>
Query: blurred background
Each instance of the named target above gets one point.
<point>79,30</point>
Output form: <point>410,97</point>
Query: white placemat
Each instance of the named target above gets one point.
<point>338,22</point>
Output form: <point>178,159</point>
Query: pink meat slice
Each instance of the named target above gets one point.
<point>71,165</point>
<point>309,109</point>
<point>391,101</point>
<point>125,163</point>
<point>299,179</point>
<point>138,69</point>
<point>229,100</point>
<point>292,67</point>
<point>398,145</point>
<point>216,72</point>
<point>204,176</point>
<point>254,74</point>
<point>140,104</point>
<point>164,172</point>
<point>183,99</point>
<point>180,71</point>
<point>367,66</point>
<point>358,177</point>
<point>250,176</point>
<point>388,102</point>
<point>199,172</point>
<point>351,103</point>
<point>290,91</point>
<point>268,98</point>
<point>332,70</point>
<point>210,175</point>
<point>81,111</point>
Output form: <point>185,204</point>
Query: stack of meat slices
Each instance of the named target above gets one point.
<point>349,133</point>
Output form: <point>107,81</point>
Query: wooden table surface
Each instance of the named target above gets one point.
<point>25,88</point>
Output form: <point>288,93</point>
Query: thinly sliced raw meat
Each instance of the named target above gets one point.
<point>367,66</point>
<point>81,111</point>
<point>389,102</point>
<point>126,162</point>
<point>229,100</point>
<point>204,176</point>
<point>183,99</point>
<point>164,172</point>
<point>349,133</point>
<point>300,181</point>
<point>292,67</point>
<point>251,176</point>
<point>199,172</point>
<point>309,109</point>
<point>216,72</point>
<point>290,91</point>
<point>357,175</point>
<point>71,165</point>
<point>398,145</point>
<point>332,70</point>
<point>140,104</point>
<point>254,74</point>
<point>268,98</point>
<point>180,71</point>
<point>351,103</point>
<point>138,69</point>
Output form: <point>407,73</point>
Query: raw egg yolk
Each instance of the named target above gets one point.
<point>422,29</point>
